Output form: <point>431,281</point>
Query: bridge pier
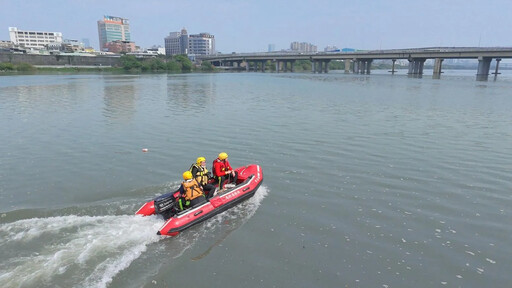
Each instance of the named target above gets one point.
<point>437,68</point>
<point>292,64</point>
<point>393,67</point>
<point>484,65</point>
<point>285,66</point>
<point>368,63</point>
<point>326,62</point>
<point>316,66</point>
<point>361,66</point>
<point>497,68</point>
<point>319,66</point>
<point>355,68</point>
<point>347,66</point>
<point>416,67</point>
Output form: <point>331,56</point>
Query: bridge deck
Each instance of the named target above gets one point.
<point>427,53</point>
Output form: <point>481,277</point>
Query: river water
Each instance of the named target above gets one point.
<point>369,180</point>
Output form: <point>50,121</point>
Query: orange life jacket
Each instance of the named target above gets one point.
<point>192,189</point>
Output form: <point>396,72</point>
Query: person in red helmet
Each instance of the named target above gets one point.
<point>222,170</point>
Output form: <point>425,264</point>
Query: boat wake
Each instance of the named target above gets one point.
<point>89,251</point>
<point>94,248</point>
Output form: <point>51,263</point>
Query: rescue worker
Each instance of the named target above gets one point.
<point>201,174</point>
<point>190,191</point>
<point>222,170</point>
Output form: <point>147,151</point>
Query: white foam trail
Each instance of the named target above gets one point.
<point>73,250</point>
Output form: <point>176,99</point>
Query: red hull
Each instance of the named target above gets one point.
<point>249,179</point>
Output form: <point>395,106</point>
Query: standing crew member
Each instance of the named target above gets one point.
<point>222,170</point>
<point>191,190</point>
<point>201,174</point>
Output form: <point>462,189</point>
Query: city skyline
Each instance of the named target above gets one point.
<point>251,27</point>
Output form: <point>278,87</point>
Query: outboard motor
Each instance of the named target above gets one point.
<point>166,205</point>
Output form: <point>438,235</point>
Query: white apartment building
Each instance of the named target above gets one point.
<point>195,44</point>
<point>33,39</point>
<point>201,44</point>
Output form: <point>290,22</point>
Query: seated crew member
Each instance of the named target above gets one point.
<point>201,174</point>
<point>222,170</point>
<point>191,191</point>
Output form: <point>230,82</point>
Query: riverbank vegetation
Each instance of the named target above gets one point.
<point>174,64</point>
<point>128,63</point>
<point>22,67</point>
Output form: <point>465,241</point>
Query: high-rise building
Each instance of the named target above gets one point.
<point>34,39</point>
<point>303,47</point>
<point>271,47</point>
<point>195,44</point>
<point>201,44</point>
<point>176,43</point>
<point>113,28</point>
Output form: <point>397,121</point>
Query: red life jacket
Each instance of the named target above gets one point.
<point>220,167</point>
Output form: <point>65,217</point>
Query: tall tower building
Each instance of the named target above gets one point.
<point>113,28</point>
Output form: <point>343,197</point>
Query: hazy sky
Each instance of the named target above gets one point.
<point>249,26</point>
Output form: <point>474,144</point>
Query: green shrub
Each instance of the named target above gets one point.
<point>186,64</point>
<point>24,67</point>
<point>173,66</point>
<point>6,67</point>
<point>206,66</point>
<point>130,62</point>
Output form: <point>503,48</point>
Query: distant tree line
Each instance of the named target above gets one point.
<point>174,64</point>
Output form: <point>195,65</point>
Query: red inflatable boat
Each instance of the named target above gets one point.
<point>249,180</point>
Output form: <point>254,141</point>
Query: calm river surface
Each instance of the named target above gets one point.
<point>369,181</point>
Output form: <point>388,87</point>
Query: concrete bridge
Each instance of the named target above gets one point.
<point>360,61</point>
